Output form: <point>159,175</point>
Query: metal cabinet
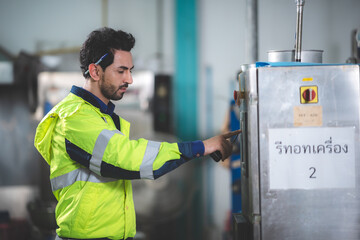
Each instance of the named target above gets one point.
<point>300,151</point>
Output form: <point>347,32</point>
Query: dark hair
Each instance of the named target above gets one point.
<point>102,41</point>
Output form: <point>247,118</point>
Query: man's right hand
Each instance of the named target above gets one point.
<point>220,143</point>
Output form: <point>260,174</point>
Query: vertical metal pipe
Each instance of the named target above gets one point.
<point>251,31</point>
<point>298,37</point>
<point>104,11</point>
<point>160,35</point>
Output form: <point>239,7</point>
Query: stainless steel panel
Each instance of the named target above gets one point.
<point>303,213</point>
<point>250,173</point>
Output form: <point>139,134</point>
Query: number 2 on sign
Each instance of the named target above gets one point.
<point>313,170</point>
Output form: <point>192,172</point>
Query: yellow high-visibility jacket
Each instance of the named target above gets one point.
<point>92,161</point>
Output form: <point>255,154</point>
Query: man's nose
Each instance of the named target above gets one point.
<point>129,78</point>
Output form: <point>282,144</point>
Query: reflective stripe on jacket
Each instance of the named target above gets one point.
<point>92,161</point>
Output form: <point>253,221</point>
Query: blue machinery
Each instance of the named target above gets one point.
<point>235,166</point>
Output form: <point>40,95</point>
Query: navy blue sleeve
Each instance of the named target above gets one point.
<point>191,149</point>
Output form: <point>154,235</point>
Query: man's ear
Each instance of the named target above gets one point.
<point>93,71</point>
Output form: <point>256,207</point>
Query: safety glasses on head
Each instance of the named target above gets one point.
<point>98,61</point>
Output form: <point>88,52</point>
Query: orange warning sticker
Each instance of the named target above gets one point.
<point>308,116</point>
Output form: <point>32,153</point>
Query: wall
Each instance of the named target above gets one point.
<point>40,25</point>
<point>327,25</point>
<point>221,46</point>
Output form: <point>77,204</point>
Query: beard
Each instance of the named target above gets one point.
<point>110,91</point>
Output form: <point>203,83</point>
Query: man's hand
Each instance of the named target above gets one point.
<point>220,143</point>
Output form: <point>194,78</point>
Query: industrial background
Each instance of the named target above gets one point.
<point>187,56</point>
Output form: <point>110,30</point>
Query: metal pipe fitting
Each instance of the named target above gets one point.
<point>298,37</point>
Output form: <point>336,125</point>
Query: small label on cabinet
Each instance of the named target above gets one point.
<point>308,116</point>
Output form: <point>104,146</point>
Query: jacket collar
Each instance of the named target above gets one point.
<point>93,100</point>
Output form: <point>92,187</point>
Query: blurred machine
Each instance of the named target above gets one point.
<point>20,166</point>
<point>355,46</point>
<point>299,148</point>
<point>162,106</point>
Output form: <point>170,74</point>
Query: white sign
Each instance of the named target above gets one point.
<point>312,158</point>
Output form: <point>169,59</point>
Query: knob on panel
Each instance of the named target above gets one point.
<point>309,95</point>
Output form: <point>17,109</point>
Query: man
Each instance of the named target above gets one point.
<point>91,157</point>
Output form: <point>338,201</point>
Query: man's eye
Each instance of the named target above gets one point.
<point>121,72</point>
